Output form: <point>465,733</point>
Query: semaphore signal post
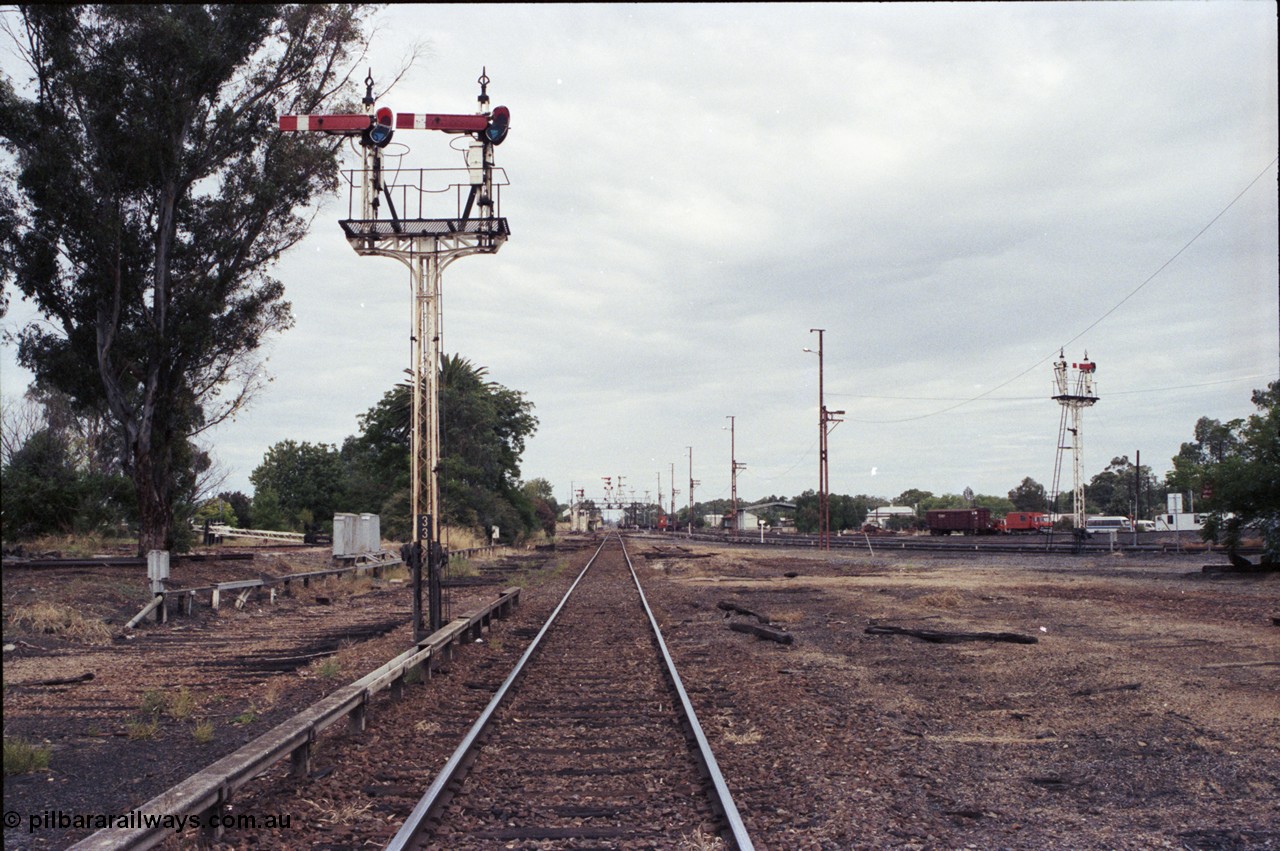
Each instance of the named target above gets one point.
<point>426,244</point>
<point>1074,394</point>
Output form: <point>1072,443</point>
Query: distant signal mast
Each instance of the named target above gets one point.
<point>1074,392</point>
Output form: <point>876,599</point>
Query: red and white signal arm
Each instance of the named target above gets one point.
<point>491,128</point>
<point>326,123</point>
<point>445,123</point>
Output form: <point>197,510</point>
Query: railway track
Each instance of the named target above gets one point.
<point>1152,543</point>
<point>590,742</point>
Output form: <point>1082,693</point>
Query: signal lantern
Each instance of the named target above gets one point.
<point>499,123</point>
<point>382,128</point>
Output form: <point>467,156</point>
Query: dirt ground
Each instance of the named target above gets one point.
<point>1146,715</point>
<point>166,700</point>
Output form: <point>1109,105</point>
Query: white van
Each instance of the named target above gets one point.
<point>1094,525</point>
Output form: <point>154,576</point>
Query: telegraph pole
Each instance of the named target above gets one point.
<point>734,467</point>
<point>673,495</point>
<point>827,421</point>
<point>692,485</point>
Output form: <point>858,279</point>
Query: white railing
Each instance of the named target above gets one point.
<point>264,534</point>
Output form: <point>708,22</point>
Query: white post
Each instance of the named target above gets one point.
<point>157,569</point>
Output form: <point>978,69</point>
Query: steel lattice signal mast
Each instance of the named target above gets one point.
<point>426,245</point>
<point>1073,395</point>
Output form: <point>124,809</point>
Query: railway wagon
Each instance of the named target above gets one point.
<point>966,521</point>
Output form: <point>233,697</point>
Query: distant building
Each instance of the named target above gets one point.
<point>1182,521</point>
<point>882,515</point>
<point>585,517</point>
<point>746,521</point>
<point>750,517</point>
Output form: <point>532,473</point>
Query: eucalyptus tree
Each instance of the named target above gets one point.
<point>154,193</point>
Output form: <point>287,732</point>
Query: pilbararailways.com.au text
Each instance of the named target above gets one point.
<point>136,820</point>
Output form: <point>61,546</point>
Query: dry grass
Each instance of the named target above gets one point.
<point>700,841</point>
<point>461,567</point>
<point>142,729</point>
<point>44,618</point>
<point>462,539</point>
<point>81,545</point>
<point>203,731</point>
<point>943,600</point>
<point>787,617</point>
<point>270,695</point>
<point>750,736</point>
<point>396,572</point>
<point>338,813</point>
<point>327,669</point>
<point>153,702</point>
<point>181,705</point>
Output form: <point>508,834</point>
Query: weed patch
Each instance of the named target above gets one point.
<point>203,731</point>
<point>22,757</point>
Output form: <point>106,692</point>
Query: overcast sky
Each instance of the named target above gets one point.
<point>953,191</point>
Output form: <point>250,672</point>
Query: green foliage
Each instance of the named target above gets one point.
<point>306,480</point>
<point>216,510</point>
<point>1029,496</point>
<point>844,512</point>
<point>541,496</point>
<point>242,506</point>
<point>484,428</point>
<point>1235,468</point>
<point>913,497</point>
<point>267,513</point>
<point>1112,491</point>
<point>45,492</point>
<point>145,234</point>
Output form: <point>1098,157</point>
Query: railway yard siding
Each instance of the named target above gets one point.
<point>1144,717</point>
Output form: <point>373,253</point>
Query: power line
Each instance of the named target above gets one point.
<point>1095,322</point>
<point>1269,378</point>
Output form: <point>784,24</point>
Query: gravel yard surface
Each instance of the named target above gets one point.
<point>1145,715</point>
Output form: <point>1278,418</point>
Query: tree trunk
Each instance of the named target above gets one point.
<point>155,509</point>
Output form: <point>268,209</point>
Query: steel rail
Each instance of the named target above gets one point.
<point>988,545</point>
<point>723,800</point>
<point>206,791</point>
<point>431,801</point>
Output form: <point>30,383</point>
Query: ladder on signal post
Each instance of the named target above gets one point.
<point>426,245</point>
